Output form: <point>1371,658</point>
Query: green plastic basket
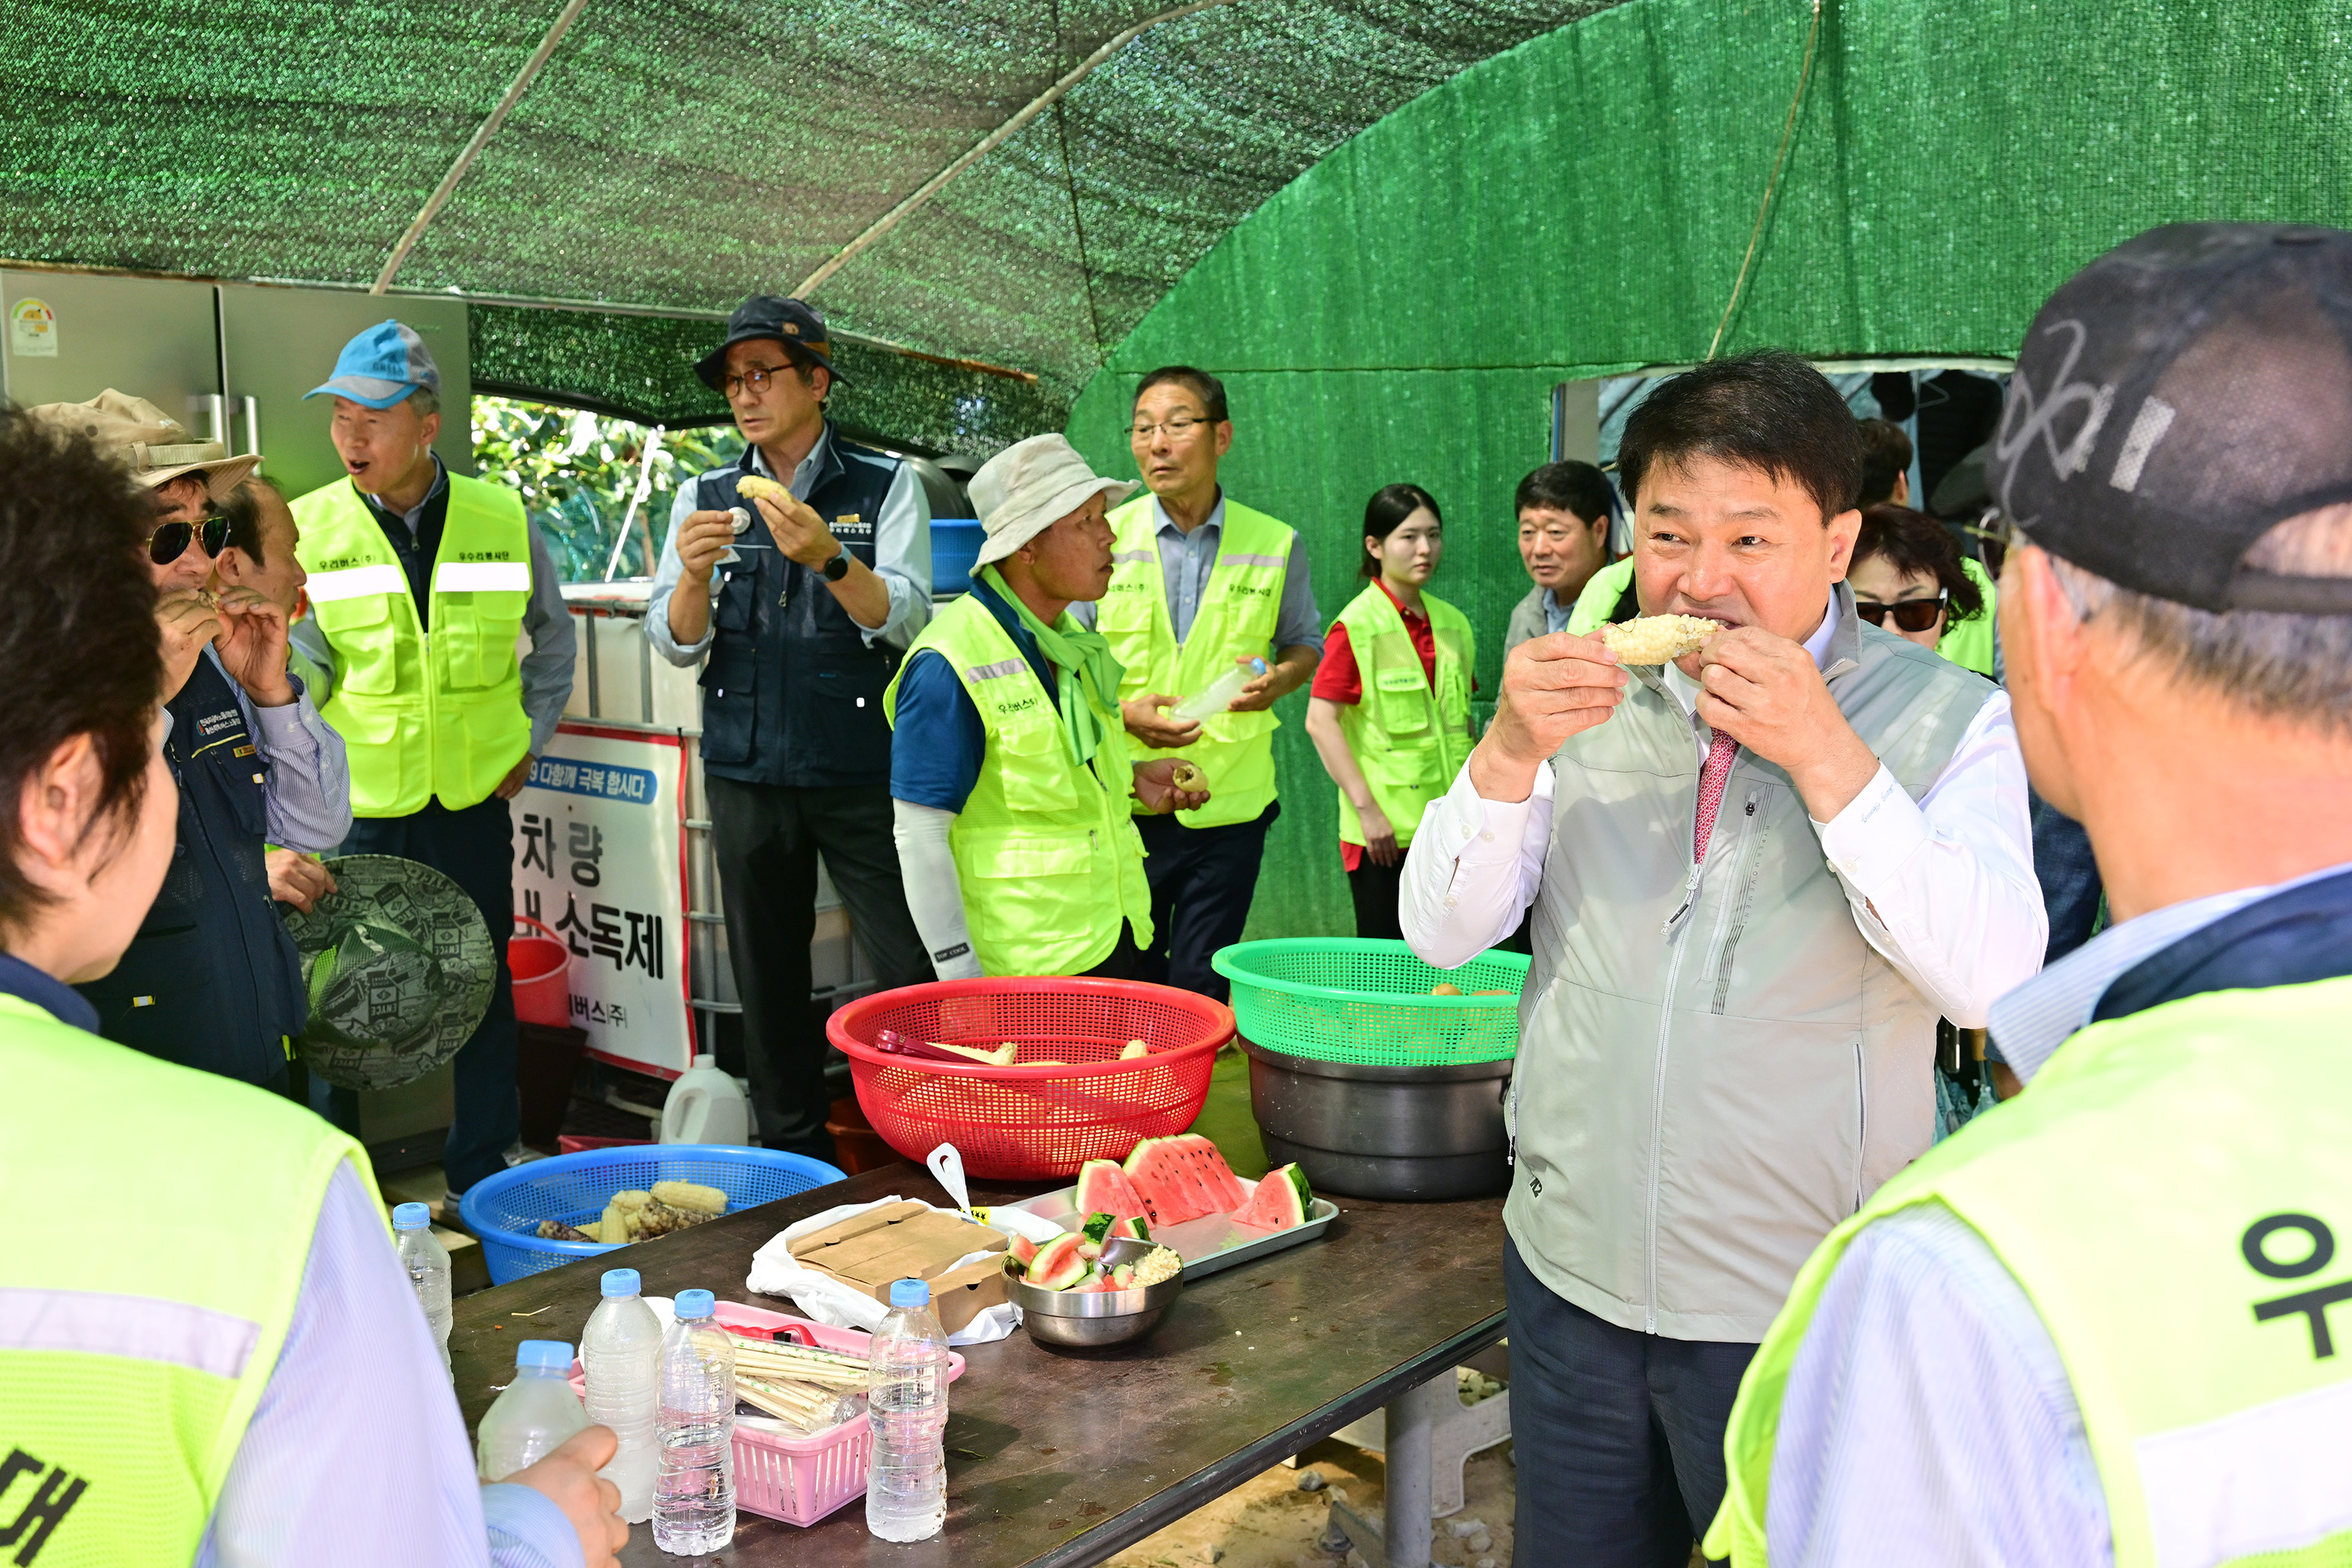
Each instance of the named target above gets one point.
<point>1348,1000</point>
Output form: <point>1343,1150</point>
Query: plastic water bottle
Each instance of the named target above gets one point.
<point>1220,695</point>
<point>907,1405</point>
<point>694,1495</point>
<point>535,1413</point>
<point>706,1106</point>
<point>621,1352</point>
<point>427,1262</point>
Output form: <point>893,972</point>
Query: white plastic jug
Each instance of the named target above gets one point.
<point>706,1106</point>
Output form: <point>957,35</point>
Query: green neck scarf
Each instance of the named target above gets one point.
<point>1082,657</point>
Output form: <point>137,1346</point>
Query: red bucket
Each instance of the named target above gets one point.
<point>542,966</point>
<point>1067,1098</point>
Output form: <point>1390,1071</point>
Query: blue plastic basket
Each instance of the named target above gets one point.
<point>503,1211</point>
<point>955,545</point>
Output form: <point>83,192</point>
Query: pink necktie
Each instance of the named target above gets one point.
<point>1711,780</point>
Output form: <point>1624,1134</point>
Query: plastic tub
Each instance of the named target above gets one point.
<point>1067,1098</point>
<point>542,966</point>
<point>797,1479</point>
<point>503,1211</point>
<point>955,545</point>
<point>1368,1002</point>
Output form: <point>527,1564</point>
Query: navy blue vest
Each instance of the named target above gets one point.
<point>212,980</point>
<point>2288,939</point>
<point>791,694</point>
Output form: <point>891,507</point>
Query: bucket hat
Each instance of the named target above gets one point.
<point>152,445</point>
<point>1029,486</point>
<point>399,968</point>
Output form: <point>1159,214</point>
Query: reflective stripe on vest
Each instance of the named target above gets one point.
<point>1240,611</point>
<point>1048,855</point>
<point>135,1339</point>
<point>1409,741</point>
<point>2168,1192</point>
<point>422,717</point>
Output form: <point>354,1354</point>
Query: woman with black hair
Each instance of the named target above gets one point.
<point>1389,709</point>
<point>1907,570</point>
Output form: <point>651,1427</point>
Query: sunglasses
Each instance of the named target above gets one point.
<point>1911,615</point>
<point>170,542</point>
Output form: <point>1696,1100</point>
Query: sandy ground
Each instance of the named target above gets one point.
<point>1268,1523</point>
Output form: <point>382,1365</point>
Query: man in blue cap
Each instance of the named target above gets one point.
<point>420,581</point>
<point>804,615</point>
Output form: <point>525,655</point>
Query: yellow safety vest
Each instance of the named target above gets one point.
<point>1046,850</point>
<point>139,1321</point>
<point>1410,740</point>
<point>1969,644</point>
<point>1240,611</point>
<point>422,717</point>
<point>2168,1194</point>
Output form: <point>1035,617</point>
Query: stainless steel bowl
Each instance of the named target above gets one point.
<point>1089,1318</point>
<point>1413,1134</point>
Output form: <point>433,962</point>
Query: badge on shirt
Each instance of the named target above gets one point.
<point>851,522</point>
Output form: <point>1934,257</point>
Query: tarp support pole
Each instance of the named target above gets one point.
<point>482,139</point>
<point>1037,106</point>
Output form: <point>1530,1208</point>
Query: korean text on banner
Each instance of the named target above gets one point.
<point>599,859</point>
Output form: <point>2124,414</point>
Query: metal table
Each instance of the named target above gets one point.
<point>1063,1458</point>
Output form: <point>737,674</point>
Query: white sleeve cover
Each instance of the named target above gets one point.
<point>934,894</point>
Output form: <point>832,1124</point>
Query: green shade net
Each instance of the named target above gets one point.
<point>1580,208</point>
<point>684,155</point>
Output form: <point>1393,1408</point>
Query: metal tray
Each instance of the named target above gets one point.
<point>1208,1245</point>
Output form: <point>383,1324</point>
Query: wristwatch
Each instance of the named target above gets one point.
<point>838,567</point>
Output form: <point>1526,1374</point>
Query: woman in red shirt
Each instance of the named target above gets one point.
<point>1393,750</point>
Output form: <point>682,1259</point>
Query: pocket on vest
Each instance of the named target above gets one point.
<point>1039,890</point>
<point>361,633</point>
<point>159,997</point>
<point>1032,760</point>
<point>731,678</point>
<point>478,639</point>
<point>846,707</point>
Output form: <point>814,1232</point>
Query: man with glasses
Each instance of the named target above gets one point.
<point>1198,584</point>
<point>804,595</point>
<point>213,981</point>
<point>422,583</point>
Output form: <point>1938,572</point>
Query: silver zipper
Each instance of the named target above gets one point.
<point>1658,1129</point>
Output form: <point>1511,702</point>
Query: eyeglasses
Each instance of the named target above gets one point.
<point>170,542</point>
<point>1177,428</point>
<point>757,379</point>
<point>1911,614</point>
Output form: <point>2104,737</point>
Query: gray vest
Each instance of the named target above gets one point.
<point>1527,620</point>
<point>1714,1066</point>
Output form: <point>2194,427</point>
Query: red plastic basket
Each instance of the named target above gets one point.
<point>1067,1098</point>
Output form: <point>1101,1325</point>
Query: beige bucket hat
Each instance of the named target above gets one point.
<point>148,442</point>
<point>1029,486</point>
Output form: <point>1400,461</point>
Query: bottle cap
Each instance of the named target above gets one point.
<point>706,1060</point>
<point>910,1293</point>
<point>409,1216</point>
<point>553,1355</point>
<point>693,1304</point>
<point>622,1282</point>
<point>1257,667</point>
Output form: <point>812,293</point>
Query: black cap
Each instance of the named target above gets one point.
<point>793,322</point>
<point>2177,398</point>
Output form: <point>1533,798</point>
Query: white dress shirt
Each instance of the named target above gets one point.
<point>1943,887</point>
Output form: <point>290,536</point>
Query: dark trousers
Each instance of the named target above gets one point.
<point>474,849</point>
<point>766,839</point>
<point>1125,960</point>
<point>1375,889</point>
<point>1619,1435</point>
<point>1202,879</point>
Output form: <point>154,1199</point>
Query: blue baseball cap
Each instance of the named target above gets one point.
<point>381,366</point>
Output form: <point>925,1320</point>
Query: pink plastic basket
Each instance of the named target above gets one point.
<point>797,1479</point>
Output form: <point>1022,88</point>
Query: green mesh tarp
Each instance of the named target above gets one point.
<point>682,155</point>
<point>1580,206</point>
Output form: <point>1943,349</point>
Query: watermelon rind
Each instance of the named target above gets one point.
<point>1059,1264</point>
<point>1281,1202</point>
<point>1022,1248</point>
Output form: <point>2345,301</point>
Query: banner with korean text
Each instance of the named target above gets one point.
<point>600,847</point>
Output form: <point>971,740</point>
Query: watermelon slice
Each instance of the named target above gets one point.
<point>1099,1228</point>
<point>1059,1264</point>
<point>1018,1256</point>
<point>1280,1202</point>
<point>1170,1188</point>
<point>1103,1188</point>
<point>1214,1173</point>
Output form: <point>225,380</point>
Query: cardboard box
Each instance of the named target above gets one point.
<point>911,1241</point>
